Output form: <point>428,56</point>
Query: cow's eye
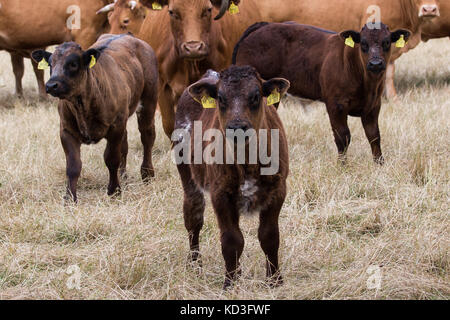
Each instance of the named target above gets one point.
<point>73,65</point>
<point>206,12</point>
<point>386,45</point>
<point>254,100</point>
<point>364,46</point>
<point>174,15</point>
<point>222,102</point>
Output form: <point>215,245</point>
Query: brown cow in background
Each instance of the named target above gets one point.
<point>125,16</point>
<point>439,27</point>
<point>349,79</point>
<point>236,188</point>
<point>29,24</point>
<point>99,89</point>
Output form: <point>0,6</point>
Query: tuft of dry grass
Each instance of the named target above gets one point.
<point>336,223</point>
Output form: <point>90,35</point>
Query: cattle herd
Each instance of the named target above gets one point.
<point>224,64</point>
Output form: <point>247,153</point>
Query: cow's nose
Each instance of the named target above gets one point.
<point>194,49</point>
<point>429,11</point>
<point>376,65</point>
<point>51,86</point>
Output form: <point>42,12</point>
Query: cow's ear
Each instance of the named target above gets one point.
<point>152,4</point>
<point>395,36</point>
<point>279,84</point>
<point>356,36</point>
<point>88,56</point>
<point>38,55</point>
<point>205,87</point>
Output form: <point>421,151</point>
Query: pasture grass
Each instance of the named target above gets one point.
<point>335,224</point>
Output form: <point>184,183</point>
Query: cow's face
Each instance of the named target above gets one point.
<point>69,66</point>
<point>127,16</point>
<point>239,93</point>
<point>375,45</point>
<point>190,22</point>
<point>428,9</point>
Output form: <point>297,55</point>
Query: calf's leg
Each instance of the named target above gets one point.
<point>112,156</point>
<point>269,238</point>
<point>71,148</point>
<point>340,129</point>
<point>370,124</point>
<point>193,209</point>
<point>231,236</point>
<point>167,108</point>
<point>124,154</point>
<point>146,123</point>
<point>18,70</point>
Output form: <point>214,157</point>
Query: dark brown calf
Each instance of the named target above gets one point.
<point>99,89</point>
<point>349,79</point>
<point>236,187</point>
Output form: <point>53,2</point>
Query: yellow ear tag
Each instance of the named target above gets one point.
<point>234,9</point>
<point>274,97</point>
<point>93,62</point>
<point>43,65</point>
<point>349,42</point>
<point>208,102</point>
<point>156,6</point>
<point>400,42</point>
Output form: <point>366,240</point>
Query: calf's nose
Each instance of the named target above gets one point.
<point>236,125</point>
<point>51,87</point>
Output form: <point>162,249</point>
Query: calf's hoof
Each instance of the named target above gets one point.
<point>275,281</point>
<point>379,160</point>
<point>114,191</point>
<point>147,174</point>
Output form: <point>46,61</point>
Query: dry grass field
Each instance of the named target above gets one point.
<point>337,222</point>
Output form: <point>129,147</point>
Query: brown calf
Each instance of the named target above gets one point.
<point>320,66</point>
<point>236,187</point>
<point>99,89</point>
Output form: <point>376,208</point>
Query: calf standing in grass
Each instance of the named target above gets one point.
<point>99,89</point>
<point>346,71</point>
<point>234,102</point>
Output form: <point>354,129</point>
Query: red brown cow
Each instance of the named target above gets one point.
<point>188,41</point>
<point>238,105</point>
<point>125,16</point>
<point>99,89</point>
<point>28,25</point>
<point>349,79</point>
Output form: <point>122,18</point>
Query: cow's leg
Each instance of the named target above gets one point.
<point>391,93</point>
<point>340,129</point>
<point>370,124</point>
<point>167,108</point>
<point>193,209</point>
<point>71,148</point>
<point>18,70</point>
<point>146,123</point>
<point>269,238</point>
<point>40,80</point>
<point>112,156</point>
<point>231,236</point>
<point>124,154</point>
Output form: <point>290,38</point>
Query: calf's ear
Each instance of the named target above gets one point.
<point>395,36</point>
<point>87,57</point>
<point>38,55</point>
<point>356,36</point>
<point>280,84</point>
<point>206,87</point>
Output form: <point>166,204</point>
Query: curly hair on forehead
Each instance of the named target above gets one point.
<point>68,45</point>
<point>237,73</point>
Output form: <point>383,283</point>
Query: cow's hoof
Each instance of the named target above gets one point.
<point>114,191</point>
<point>379,160</point>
